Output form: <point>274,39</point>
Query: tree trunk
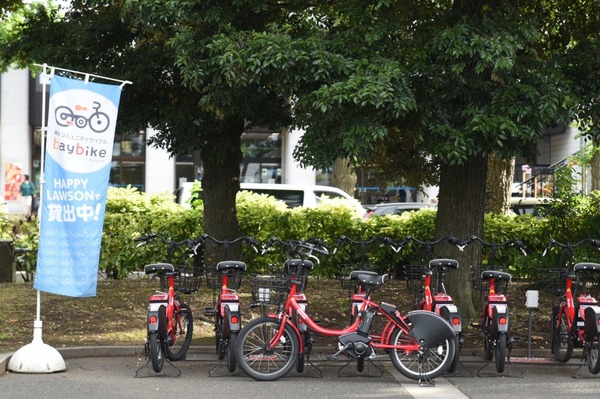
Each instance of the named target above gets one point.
<point>460,214</point>
<point>499,184</point>
<point>595,169</point>
<point>344,175</point>
<point>220,185</point>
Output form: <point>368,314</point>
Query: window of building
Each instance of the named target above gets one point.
<point>127,167</point>
<point>261,161</point>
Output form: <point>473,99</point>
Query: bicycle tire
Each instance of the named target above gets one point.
<point>562,345</point>
<point>456,360</point>
<point>231,362</point>
<point>219,342</point>
<point>182,338</point>
<point>408,364</point>
<point>156,352</point>
<point>500,352</point>
<point>593,355</point>
<point>257,362</point>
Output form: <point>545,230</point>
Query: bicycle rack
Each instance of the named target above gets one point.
<point>508,365</point>
<point>457,373</point>
<point>162,373</point>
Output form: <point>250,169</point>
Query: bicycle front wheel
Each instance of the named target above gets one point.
<point>428,362</point>
<point>254,356</point>
<point>593,358</point>
<point>180,339</point>
<point>562,345</point>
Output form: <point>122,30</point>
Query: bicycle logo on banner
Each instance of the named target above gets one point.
<point>98,121</point>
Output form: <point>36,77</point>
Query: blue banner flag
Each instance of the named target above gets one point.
<point>79,144</point>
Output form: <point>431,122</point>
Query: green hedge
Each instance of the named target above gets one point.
<point>130,213</point>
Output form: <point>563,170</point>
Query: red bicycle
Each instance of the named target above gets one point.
<point>225,278</point>
<point>576,318</point>
<point>495,320</point>
<point>420,344</point>
<point>430,289</point>
<point>170,322</point>
<point>300,255</point>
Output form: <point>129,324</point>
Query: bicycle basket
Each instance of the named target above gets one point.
<point>214,278</point>
<point>551,280</point>
<point>268,289</point>
<point>187,281</point>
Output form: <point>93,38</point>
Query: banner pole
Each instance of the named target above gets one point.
<point>38,357</point>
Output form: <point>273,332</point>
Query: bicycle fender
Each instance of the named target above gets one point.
<point>152,315</point>
<point>591,326</point>
<point>428,328</point>
<point>234,314</point>
<point>450,313</point>
<point>499,311</point>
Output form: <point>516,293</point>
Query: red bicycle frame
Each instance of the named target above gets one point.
<point>393,316</point>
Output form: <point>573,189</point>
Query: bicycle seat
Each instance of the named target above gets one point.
<point>231,264</point>
<point>374,280</point>
<point>586,266</point>
<point>489,274</point>
<point>449,263</point>
<point>355,273</point>
<point>295,264</point>
<point>156,267</point>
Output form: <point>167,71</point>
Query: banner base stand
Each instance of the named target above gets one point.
<point>36,357</point>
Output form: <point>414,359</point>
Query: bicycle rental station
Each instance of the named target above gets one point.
<point>275,331</point>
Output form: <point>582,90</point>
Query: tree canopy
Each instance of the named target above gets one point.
<point>441,84</point>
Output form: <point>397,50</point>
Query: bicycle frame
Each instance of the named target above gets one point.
<point>440,302</point>
<point>436,329</point>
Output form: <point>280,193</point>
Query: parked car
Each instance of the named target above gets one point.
<point>294,195</point>
<point>396,208</point>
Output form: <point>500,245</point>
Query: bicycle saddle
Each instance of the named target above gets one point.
<point>231,264</point>
<point>155,267</point>
<point>375,280</point>
<point>586,266</point>
<point>449,263</point>
<point>489,274</point>
<point>355,273</point>
<point>294,264</point>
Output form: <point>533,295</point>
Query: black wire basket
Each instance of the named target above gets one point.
<point>188,281</point>
<point>214,278</point>
<point>268,289</point>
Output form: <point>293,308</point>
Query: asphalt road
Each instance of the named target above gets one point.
<point>115,377</point>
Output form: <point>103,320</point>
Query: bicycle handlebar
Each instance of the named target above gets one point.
<point>495,245</point>
<point>385,240</point>
<point>171,244</point>
<point>302,248</point>
<point>570,247</point>
<point>225,243</point>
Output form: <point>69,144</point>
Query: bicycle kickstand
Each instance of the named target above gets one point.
<point>424,380</point>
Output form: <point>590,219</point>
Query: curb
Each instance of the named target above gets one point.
<point>469,355</point>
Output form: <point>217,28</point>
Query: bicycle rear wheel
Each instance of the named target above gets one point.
<point>456,360</point>
<point>593,358</point>
<point>180,340</point>
<point>562,345</point>
<point>254,356</point>
<point>500,352</point>
<point>429,362</point>
<point>156,352</point>
<point>231,363</point>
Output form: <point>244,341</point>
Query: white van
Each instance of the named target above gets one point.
<point>294,195</point>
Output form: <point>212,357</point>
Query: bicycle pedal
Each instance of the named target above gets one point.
<point>210,312</point>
